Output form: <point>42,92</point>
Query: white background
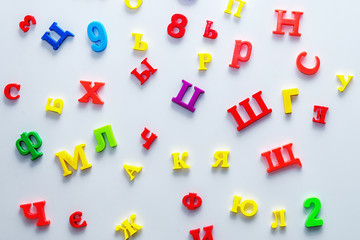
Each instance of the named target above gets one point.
<point>104,193</point>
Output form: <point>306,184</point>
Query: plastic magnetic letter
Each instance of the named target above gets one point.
<point>312,220</point>
<point>131,170</point>
<point>139,45</point>
<point>305,70</point>
<point>344,83</point>
<point>100,134</point>
<point>221,157</point>
<point>91,92</point>
<point>242,205</point>
<point>195,233</point>
<point>288,22</point>
<point>241,5</point>
<point>148,140</point>
<point>79,154</point>
<point>25,25</point>
<point>139,2</point>
<point>25,144</point>
<point>7,91</point>
<point>97,34</point>
<point>176,24</point>
<point>39,215</point>
<point>142,77</point>
<point>245,104</point>
<point>178,99</point>
<point>237,56</point>
<point>287,94</point>
<point>192,201</point>
<point>75,220</point>
<point>179,163</point>
<point>56,107</point>
<point>204,58</point>
<point>128,227</point>
<point>280,159</point>
<point>63,35</point>
<point>281,215</point>
<point>320,114</point>
<point>210,33</point>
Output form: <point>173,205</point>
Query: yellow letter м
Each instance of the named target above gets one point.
<point>73,162</point>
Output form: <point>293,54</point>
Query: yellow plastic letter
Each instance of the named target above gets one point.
<point>344,83</point>
<point>221,157</point>
<point>56,107</point>
<point>131,169</point>
<point>287,93</point>
<point>204,58</point>
<point>127,2</point>
<point>128,227</point>
<point>180,163</point>
<point>281,214</point>
<point>65,157</point>
<point>241,5</point>
<point>242,205</point>
<point>139,45</point>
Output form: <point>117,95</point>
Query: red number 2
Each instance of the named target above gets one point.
<point>24,25</point>
<point>175,24</point>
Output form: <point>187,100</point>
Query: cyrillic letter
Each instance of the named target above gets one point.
<point>149,140</point>
<point>305,70</point>
<point>245,103</point>
<point>91,92</point>
<point>287,93</point>
<point>320,114</point>
<point>65,157</point>
<point>208,234</point>
<point>221,157</point>
<point>40,213</point>
<point>7,91</point>
<point>145,74</point>
<point>195,96</point>
<point>139,45</point>
<point>180,163</point>
<point>210,33</point>
<point>63,35</point>
<point>241,5</point>
<point>243,205</point>
<point>100,134</point>
<point>127,2</point>
<point>281,214</point>
<point>289,22</point>
<point>204,58</point>
<point>280,158</point>
<point>344,83</point>
<point>56,107</point>
<point>237,56</point>
<point>128,227</point>
<point>31,146</point>
<point>75,220</point>
<point>131,169</point>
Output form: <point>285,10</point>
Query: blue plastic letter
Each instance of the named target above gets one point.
<point>100,39</point>
<point>63,35</point>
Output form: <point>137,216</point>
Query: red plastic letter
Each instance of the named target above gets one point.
<point>308,71</point>
<point>289,22</point>
<point>210,33</point>
<point>180,26</point>
<point>75,220</point>
<point>237,57</point>
<point>145,74</point>
<point>320,114</point>
<point>148,140</point>
<point>245,103</point>
<point>40,213</point>
<point>208,234</point>
<point>24,25</point>
<point>91,92</point>
<point>7,90</point>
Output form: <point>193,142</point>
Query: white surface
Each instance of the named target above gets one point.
<point>105,195</point>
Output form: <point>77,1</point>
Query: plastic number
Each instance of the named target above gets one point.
<point>175,24</point>
<point>99,36</point>
<point>312,220</point>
